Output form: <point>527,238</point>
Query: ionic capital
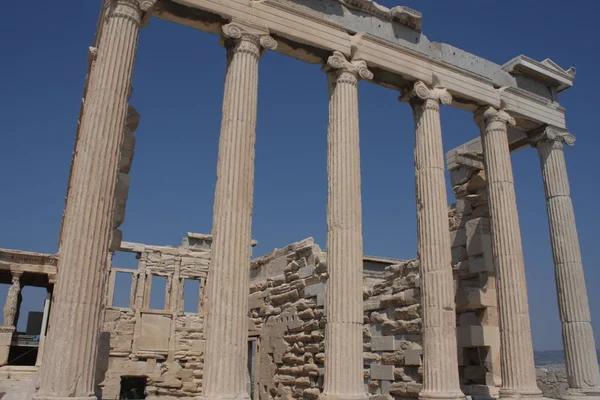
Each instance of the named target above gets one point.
<point>128,9</point>
<point>420,92</point>
<point>355,69</point>
<point>552,135</point>
<point>488,114</point>
<point>245,38</point>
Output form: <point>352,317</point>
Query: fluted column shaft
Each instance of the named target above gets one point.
<point>516,349</point>
<point>578,337</point>
<point>226,328</point>
<point>69,362</point>
<point>440,363</point>
<point>343,332</point>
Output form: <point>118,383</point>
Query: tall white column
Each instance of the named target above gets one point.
<point>71,345</point>
<point>574,309</point>
<point>226,327</point>
<point>343,332</point>
<point>516,349</point>
<point>440,363</point>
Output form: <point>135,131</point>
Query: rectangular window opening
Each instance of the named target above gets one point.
<point>158,292</point>
<point>125,260</point>
<point>191,296</point>
<point>122,294</point>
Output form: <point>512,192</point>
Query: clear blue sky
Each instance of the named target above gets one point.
<point>178,92</point>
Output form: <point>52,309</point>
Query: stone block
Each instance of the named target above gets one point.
<point>468,318</point>
<point>371,305</point>
<point>375,330</point>
<point>385,387</point>
<point>474,373</point>
<point>476,336</point>
<point>392,327</point>
<point>383,372</point>
<point>286,297</point>
<point>407,313</point>
<point>383,343</point>
<point>305,272</point>
<point>395,358</point>
<point>458,238</point>
<point>481,263</point>
<point>322,300</point>
<point>459,254</point>
<point>256,300</point>
<point>470,298</point>
<point>406,297</point>
<point>314,290</point>
<point>478,236</point>
<point>413,357</point>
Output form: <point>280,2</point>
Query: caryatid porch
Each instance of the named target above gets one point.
<point>427,77</point>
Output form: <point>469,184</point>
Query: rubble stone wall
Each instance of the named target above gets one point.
<point>287,308</point>
<point>552,382</point>
<point>164,345</point>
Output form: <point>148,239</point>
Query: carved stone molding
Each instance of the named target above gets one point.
<point>136,10</point>
<point>401,14</point>
<point>421,92</point>
<point>489,114</point>
<point>551,134</point>
<point>351,70</point>
<point>25,258</point>
<point>242,37</point>
<point>7,329</point>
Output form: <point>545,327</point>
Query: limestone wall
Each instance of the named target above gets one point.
<point>287,309</point>
<point>476,303</point>
<point>166,344</point>
<point>552,382</point>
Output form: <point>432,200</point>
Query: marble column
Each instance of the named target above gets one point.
<point>226,327</point>
<point>574,309</point>
<point>343,332</point>
<point>440,363</point>
<point>516,349</point>
<point>69,360</point>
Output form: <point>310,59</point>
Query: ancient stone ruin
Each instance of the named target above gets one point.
<point>301,322</point>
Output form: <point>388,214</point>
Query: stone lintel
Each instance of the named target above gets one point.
<point>311,31</point>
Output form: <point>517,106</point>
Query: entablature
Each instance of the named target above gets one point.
<point>395,50</point>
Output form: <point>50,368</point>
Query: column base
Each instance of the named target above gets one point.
<point>442,395</point>
<point>223,397</point>
<point>514,394</point>
<point>361,396</point>
<point>582,394</point>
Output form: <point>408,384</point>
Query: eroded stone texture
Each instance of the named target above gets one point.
<point>343,347</point>
<point>578,337</point>
<point>518,372</point>
<point>293,333</point>
<point>227,298</point>
<point>440,369</point>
